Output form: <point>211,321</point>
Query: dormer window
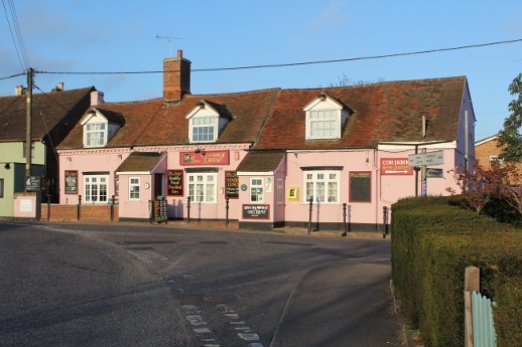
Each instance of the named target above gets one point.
<point>325,118</point>
<point>203,128</point>
<point>95,134</point>
<point>99,126</point>
<point>206,121</point>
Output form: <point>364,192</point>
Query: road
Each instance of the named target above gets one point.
<point>142,285</point>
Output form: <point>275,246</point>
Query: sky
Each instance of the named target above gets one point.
<point>95,36</point>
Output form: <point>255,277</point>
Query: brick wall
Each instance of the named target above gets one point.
<point>69,213</point>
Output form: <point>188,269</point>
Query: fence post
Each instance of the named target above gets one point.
<point>310,215</point>
<point>48,206</point>
<point>471,283</point>
<point>188,209</point>
<point>112,208</point>
<point>385,212</point>
<point>78,208</point>
<point>344,220</point>
<point>226,211</point>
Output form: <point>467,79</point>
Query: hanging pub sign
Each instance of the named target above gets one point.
<point>175,182</point>
<point>71,182</point>
<point>201,158</point>
<point>231,185</point>
<point>256,211</point>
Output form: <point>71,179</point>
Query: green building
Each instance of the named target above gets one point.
<point>53,116</point>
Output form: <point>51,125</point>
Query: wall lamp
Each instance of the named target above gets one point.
<point>7,166</point>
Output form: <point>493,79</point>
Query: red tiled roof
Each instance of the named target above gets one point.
<point>50,112</point>
<point>264,161</point>
<point>154,122</point>
<point>383,112</point>
<point>140,162</point>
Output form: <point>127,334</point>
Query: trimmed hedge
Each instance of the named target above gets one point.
<point>433,242</point>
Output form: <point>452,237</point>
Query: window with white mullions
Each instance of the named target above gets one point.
<point>256,190</point>
<point>323,124</point>
<point>204,129</point>
<point>95,188</point>
<point>95,134</point>
<point>322,185</point>
<point>202,187</point>
<point>134,188</point>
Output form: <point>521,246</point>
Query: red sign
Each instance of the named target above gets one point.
<point>204,158</point>
<point>395,166</point>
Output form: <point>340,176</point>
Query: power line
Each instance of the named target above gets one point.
<point>16,33</point>
<point>12,76</point>
<point>283,65</point>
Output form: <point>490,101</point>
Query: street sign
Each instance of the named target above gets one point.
<point>434,173</point>
<point>395,166</point>
<point>429,158</point>
<point>32,183</point>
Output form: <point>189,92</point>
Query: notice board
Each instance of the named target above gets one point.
<point>175,182</point>
<point>231,185</point>
<point>360,186</point>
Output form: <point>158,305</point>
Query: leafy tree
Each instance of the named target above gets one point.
<point>510,138</point>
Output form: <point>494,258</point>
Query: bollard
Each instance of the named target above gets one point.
<point>349,213</point>
<point>48,206</point>
<point>226,211</point>
<point>78,212</point>
<point>112,208</point>
<point>188,209</point>
<point>310,215</point>
<point>385,221</point>
<point>344,221</point>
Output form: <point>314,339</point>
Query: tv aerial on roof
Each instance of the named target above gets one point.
<point>170,40</point>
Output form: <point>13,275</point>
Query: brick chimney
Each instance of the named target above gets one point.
<point>176,77</point>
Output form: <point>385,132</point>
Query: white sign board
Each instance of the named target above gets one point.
<point>26,205</point>
<point>430,158</point>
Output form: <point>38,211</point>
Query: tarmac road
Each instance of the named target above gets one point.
<point>142,285</point>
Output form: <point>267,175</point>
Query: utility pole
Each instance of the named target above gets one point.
<point>28,123</point>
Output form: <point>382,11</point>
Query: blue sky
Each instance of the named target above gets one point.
<point>73,35</point>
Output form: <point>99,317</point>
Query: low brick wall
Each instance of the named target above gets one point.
<point>69,213</point>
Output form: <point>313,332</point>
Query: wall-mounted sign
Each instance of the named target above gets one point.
<point>293,193</point>
<point>71,182</point>
<point>244,187</point>
<point>33,183</point>
<point>360,186</point>
<point>231,185</point>
<point>202,158</point>
<point>395,166</point>
<point>256,211</point>
<point>175,182</point>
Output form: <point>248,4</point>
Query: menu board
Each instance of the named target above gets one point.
<point>175,182</point>
<point>231,185</point>
<point>71,182</point>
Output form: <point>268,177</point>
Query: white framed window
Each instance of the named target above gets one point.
<point>203,129</point>
<point>95,188</point>
<point>323,124</point>
<point>280,191</point>
<point>256,190</point>
<point>134,188</point>
<point>322,185</point>
<point>202,187</point>
<point>95,134</point>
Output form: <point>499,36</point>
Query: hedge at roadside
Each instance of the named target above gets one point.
<point>433,242</point>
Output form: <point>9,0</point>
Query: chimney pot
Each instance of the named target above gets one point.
<point>180,53</point>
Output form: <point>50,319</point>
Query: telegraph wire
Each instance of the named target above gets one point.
<point>283,65</point>
<point>16,34</point>
<point>19,35</point>
<point>13,76</point>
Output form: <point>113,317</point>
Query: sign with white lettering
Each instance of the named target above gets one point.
<point>256,211</point>
<point>395,166</point>
<point>429,158</point>
<point>204,158</point>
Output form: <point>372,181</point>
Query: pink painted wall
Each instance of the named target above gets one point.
<point>102,160</point>
<point>135,208</point>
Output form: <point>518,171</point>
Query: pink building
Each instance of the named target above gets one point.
<point>260,157</point>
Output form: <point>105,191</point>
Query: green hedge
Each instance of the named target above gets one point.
<point>433,242</point>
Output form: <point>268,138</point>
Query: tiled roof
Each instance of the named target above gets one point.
<point>264,161</point>
<point>383,112</point>
<point>49,111</point>
<point>153,122</point>
<point>140,162</point>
